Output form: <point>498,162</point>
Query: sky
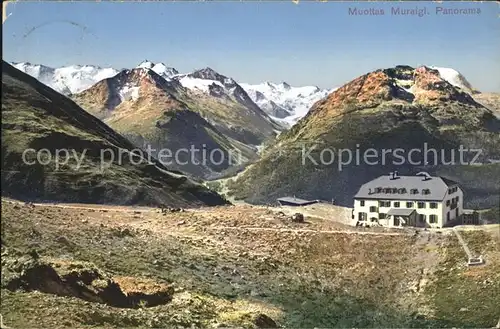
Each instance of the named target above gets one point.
<point>310,43</point>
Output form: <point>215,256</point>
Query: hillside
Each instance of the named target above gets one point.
<point>489,100</point>
<point>150,109</point>
<point>236,267</point>
<point>382,111</point>
<point>35,116</point>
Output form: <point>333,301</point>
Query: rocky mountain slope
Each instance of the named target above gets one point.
<point>98,166</point>
<point>388,109</point>
<point>223,102</point>
<point>284,102</point>
<point>174,114</point>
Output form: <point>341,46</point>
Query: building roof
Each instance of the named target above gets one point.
<point>400,212</point>
<point>428,188</point>
<point>297,201</point>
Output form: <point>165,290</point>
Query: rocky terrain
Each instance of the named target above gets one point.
<point>98,166</point>
<point>83,266</point>
<point>388,109</point>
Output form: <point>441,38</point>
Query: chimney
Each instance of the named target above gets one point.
<point>391,175</point>
<point>370,191</point>
<point>396,174</point>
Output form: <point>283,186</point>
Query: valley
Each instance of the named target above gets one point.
<point>153,245</point>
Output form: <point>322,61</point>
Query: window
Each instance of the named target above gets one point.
<point>433,205</point>
<point>362,216</point>
<point>447,202</point>
<point>456,199</point>
<point>381,216</point>
<point>433,219</point>
<point>384,203</point>
<point>421,205</point>
<point>396,204</point>
<point>448,216</point>
<point>413,191</point>
<point>373,209</point>
<point>450,191</point>
<point>421,218</point>
<point>426,191</point>
<point>362,203</point>
<point>409,205</point>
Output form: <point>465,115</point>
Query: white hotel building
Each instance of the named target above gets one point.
<point>420,200</point>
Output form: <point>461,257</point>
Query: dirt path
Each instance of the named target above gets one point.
<point>86,206</point>
<point>253,228</point>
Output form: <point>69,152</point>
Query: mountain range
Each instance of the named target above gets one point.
<point>36,117</point>
<point>267,124</point>
<point>281,101</point>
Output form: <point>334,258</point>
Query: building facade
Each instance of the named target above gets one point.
<point>420,200</point>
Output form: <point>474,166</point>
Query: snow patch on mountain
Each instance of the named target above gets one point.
<point>283,102</point>
<point>128,92</point>
<point>454,77</point>
<point>196,84</point>
<point>67,79</point>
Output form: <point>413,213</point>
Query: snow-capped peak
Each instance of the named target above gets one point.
<point>454,77</point>
<point>209,81</point>
<point>159,68</point>
<point>285,85</point>
<point>208,73</point>
<point>146,64</point>
<point>284,102</point>
<point>67,79</point>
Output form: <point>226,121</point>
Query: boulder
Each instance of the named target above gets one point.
<point>298,218</point>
